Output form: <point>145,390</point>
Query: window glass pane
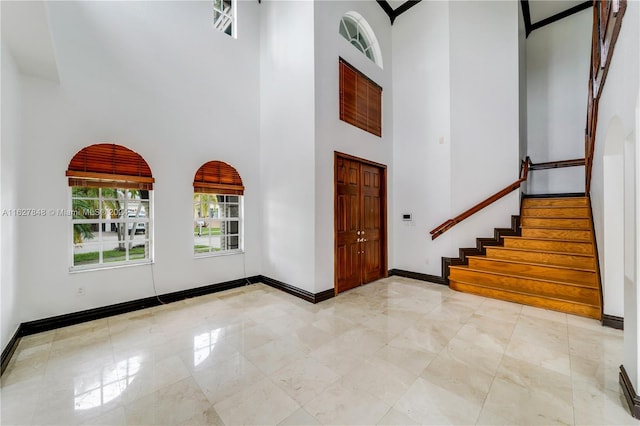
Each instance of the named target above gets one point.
<point>232,243</point>
<point>363,41</point>
<point>86,254</point>
<point>231,227</point>
<point>83,192</point>
<point>83,232</point>
<point>114,255</point>
<point>352,28</point>
<point>210,229</point>
<point>232,210</point>
<point>113,227</point>
<point>343,30</point>
<point>139,250</point>
<point>357,45</point>
<point>369,54</point>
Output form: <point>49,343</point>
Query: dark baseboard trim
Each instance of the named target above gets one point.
<point>629,393</point>
<point>324,295</point>
<point>59,321</point>
<point>613,321</point>
<point>66,320</point>
<point>566,195</point>
<point>298,292</point>
<point>8,351</point>
<point>417,276</point>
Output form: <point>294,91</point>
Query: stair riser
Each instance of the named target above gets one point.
<point>531,287</point>
<point>534,271</point>
<point>556,212</point>
<point>560,234</point>
<point>556,223</point>
<point>541,257</point>
<point>562,246</point>
<point>568,307</point>
<point>539,202</point>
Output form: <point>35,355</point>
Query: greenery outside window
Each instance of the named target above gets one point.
<point>111,226</point>
<point>217,223</point>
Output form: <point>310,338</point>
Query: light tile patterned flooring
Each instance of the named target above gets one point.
<point>396,351</point>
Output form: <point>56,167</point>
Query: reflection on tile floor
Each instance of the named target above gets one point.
<point>396,351</point>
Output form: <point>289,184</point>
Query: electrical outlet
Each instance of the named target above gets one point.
<point>426,261</point>
<point>80,291</point>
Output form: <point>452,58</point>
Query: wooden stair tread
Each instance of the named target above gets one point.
<point>559,228</point>
<point>526,294</point>
<point>577,206</point>
<point>554,228</point>
<point>524,276</point>
<point>541,251</point>
<point>546,265</point>
<point>555,240</point>
<point>534,216</point>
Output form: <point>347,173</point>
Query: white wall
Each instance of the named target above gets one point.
<point>484,90</point>
<point>612,254</point>
<point>332,134</point>
<point>158,79</point>
<point>287,137</point>
<point>422,143</point>
<point>619,99</point>
<point>9,225</point>
<point>558,58</point>
<point>522,86</point>
<point>456,124</point>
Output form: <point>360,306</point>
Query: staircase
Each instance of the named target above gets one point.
<point>552,265</point>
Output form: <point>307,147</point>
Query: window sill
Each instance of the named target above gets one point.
<point>93,268</point>
<point>217,254</point>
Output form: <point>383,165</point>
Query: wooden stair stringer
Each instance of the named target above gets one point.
<point>480,248</point>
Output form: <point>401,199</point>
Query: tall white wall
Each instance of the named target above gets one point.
<point>9,225</point>
<point>558,58</point>
<point>158,78</point>
<point>456,124</point>
<point>484,90</point>
<point>522,91</point>
<point>618,106</point>
<point>422,142</point>
<point>287,141</point>
<point>332,134</point>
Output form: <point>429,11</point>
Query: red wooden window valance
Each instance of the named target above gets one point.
<point>109,165</point>
<point>217,177</point>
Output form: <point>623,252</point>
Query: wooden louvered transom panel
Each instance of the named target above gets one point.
<point>360,100</point>
<point>217,177</point>
<point>111,165</point>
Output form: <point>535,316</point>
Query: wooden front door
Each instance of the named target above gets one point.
<point>360,222</point>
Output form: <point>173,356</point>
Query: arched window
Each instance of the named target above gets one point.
<point>357,31</point>
<point>217,209</point>
<point>111,207</point>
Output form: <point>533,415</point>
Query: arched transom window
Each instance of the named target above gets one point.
<point>357,31</point>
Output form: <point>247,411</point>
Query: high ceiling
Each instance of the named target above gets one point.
<point>536,13</point>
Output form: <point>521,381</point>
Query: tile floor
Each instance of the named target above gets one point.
<point>396,351</point>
